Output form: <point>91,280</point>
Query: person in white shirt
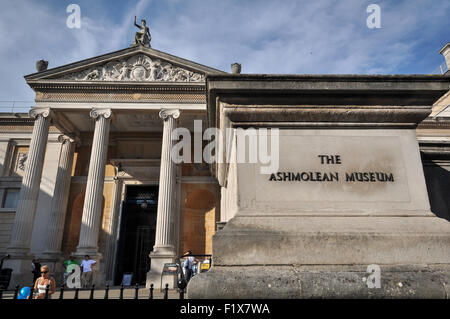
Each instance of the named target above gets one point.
<point>87,273</point>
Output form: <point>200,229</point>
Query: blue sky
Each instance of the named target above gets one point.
<point>284,36</point>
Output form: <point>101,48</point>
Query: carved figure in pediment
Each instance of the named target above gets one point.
<point>137,68</point>
<point>93,75</point>
<point>155,73</point>
<point>123,71</point>
<point>115,71</point>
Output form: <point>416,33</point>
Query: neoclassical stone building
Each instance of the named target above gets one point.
<point>88,170</point>
<point>91,162</point>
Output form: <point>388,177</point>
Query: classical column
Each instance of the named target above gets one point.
<point>164,249</point>
<point>19,248</point>
<point>164,241</point>
<point>55,223</point>
<point>92,209</point>
<point>31,180</point>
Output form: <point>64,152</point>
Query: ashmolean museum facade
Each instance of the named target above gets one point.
<point>89,171</point>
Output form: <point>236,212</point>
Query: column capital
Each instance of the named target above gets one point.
<point>166,113</point>
<point>95,113</point>
<point>71,138</point>
<point>41,111</point>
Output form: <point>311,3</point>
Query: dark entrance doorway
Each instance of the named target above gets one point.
<point>137,233</point>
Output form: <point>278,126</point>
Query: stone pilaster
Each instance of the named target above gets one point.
<point>92,209</point>
<point>19,248</point>
<point>55,222</point>
<point>164,250</point>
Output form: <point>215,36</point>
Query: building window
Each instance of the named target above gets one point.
<point>11,198</point>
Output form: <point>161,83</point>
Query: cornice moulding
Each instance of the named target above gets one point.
<point>111,85</point>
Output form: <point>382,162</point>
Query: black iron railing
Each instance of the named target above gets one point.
<point>181,283</point>
<point>62,289</point>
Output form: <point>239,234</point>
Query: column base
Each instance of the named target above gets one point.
<point>21,274</point>
<point>157,264</point>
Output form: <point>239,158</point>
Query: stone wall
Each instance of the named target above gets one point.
<point>6,223</point>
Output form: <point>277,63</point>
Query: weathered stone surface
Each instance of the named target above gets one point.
<point>325,240</point>
<point>293,281</point>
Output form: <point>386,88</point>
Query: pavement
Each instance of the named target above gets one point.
<point>114,293</point>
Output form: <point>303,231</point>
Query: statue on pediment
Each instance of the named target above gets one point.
<point>143,36</point>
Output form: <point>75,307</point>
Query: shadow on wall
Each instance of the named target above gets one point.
<point>199,221</point>
<point>438,185</point>
<point>72,227</point>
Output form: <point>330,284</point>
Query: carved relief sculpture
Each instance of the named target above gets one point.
<point>21,161</point>
<point>137,68</point>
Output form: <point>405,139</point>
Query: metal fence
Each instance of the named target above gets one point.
<point>106,292</point>
<point>181,283</point>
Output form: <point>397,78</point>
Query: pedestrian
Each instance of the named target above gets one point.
<point>35,269</point>
<point>194,268</point>
<point>189,265</point>
<point>41,283</point>
<point>87,272</point>
<point>67,270</point>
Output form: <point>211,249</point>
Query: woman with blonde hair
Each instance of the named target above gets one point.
<point>41,284</point>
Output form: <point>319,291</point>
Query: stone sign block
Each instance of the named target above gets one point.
<point>352,171</point>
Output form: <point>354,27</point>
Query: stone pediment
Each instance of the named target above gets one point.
<point>139,67</point>
<point>134,64</point>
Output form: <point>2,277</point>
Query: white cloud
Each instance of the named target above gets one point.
<point>300,37</point>
<point>265,36</point>
<point>31,31</point>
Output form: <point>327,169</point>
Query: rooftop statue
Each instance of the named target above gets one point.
<point>143,36</point>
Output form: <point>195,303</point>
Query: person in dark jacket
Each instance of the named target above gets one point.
<point>36,269</point>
